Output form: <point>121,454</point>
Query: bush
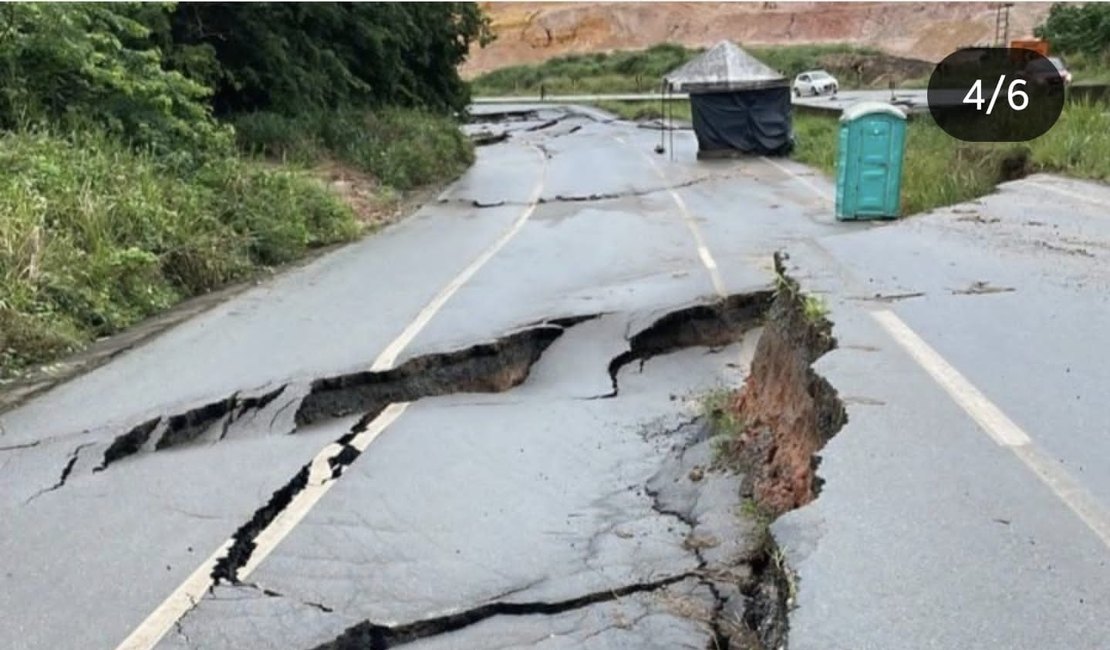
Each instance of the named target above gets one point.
<point>95,236</point>
<point>69,64</point>
<point>1078,28</point>
<point>401,148</point>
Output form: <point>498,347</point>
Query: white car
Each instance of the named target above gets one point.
<point>815,82</point>
<point>1062,68</point>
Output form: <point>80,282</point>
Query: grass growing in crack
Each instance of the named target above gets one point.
<point>751,510</point>
<point>814,309</point>
<point>790,577</point>
<point>724,423</point>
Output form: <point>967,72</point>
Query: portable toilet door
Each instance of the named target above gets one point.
<point>869,161</point>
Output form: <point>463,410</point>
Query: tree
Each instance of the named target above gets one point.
<point>1081,28</point>
<point>78,63</point>
<point>294,57</point>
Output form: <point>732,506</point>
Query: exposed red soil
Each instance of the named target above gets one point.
<point>788,411</point>
<point>530,32</point>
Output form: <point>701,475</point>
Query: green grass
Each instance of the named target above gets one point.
<point>1086,68</point>
<point>94,236</point>
<point>621,71</point>
<point>641,70</point>
<point>647,110</point>
<point>724,423</point>
<point>403,149</point>
<point>814,309</point>
<point>939,170</point>
<point>1078,144</point>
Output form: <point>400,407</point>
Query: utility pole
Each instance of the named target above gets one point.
<point>998,23</point>
<point>1006,28</point>
<point>1002,24</point>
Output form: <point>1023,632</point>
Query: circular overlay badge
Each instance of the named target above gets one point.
<point>994,94</point>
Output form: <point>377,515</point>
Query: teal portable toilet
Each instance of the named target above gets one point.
<point>869,161</point>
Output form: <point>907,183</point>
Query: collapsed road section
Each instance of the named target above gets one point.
<point>484,368</point>
<point>653,499</point>
<point>678,553</point>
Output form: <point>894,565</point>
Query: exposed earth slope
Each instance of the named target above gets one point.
<point>532,32</point>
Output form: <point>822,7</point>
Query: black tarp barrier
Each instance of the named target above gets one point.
<point>750,121</point>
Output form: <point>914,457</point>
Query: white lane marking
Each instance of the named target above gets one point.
<point>389,355</point>
<point>319,482</point>
<point>993,421</point>
<point>151,630</point>
<point>1004,431</point>
<point>805,181</point>
<point>186,596</point>
<point>703,250</point>
<point>1085,506</point>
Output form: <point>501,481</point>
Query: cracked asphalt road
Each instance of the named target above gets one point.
<point>530,512</point>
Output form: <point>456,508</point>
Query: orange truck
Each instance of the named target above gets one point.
<point>1038,45</point>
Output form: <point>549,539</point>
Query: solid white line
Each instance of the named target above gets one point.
<point>1004,431</point>
<point>389,355</point>
<point>319,482</point>
<point>706,257</point>
<point>992,420</point>
<point>186,596</point>
<point>151,630</point>
<point>1081,502</point>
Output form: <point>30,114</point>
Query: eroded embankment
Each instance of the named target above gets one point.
<point>783,415</point>
<point>787,412</point>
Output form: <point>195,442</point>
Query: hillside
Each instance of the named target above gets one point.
<point>532,32</point>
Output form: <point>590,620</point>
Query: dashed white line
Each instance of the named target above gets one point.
<point>1000,428</point>
<point>703,250</point>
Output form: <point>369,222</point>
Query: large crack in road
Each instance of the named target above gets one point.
<point>490,367</point>
<point>747,583</point>
<point>587,198</point>
<point>370,636</point>
<point>710,325</point>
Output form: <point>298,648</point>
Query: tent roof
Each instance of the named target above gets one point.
<point>723,67</point>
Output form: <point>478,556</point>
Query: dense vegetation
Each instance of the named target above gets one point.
<point>642,70</point>
<point>1081,32</point>
<point>1078,28</point>
<point>124,189</point>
